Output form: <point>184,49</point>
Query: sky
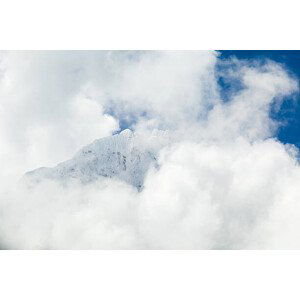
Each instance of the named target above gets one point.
<point>289,112</point>
<point>228,174</point>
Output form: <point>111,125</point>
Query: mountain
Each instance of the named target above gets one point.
<point>126,156</point>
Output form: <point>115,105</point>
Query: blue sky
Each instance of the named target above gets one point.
<point>290,110</point>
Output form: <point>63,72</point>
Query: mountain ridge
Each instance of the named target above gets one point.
<point>125,156</point>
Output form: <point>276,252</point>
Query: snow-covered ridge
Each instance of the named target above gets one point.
<point>126,156</point>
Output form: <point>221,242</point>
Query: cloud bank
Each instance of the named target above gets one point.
<point>224,181</point>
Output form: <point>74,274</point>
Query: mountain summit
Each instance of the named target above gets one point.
<point>125,156</point>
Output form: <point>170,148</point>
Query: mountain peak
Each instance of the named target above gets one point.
<point>119,156</point>
<point>127,132</point>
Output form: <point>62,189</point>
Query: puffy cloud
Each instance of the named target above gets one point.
<point>173,88</point>
<point>220,195</point>
<point>223,182</point>
<point>43,106</point>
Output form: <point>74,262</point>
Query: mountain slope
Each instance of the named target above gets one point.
<point>124,156</point>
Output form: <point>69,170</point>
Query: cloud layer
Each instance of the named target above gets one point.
<point>224,181</point>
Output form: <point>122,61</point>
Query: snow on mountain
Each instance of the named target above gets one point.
<point>126,156</point>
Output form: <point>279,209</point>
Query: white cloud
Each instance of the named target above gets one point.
<point>223,181</point>
<point>43,106</point>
